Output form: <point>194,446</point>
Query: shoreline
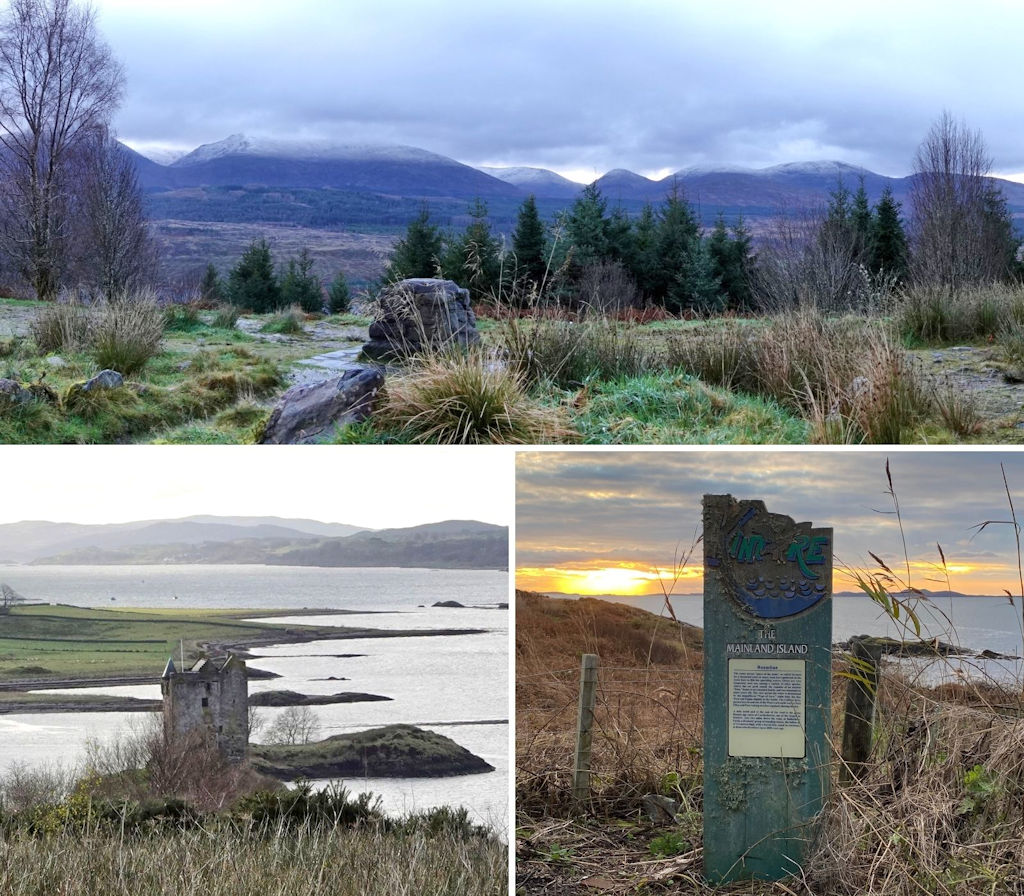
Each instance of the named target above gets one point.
<point>16,695</point>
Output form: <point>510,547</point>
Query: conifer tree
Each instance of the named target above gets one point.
<point>473,259</point>
<point>862,224</point>
<point>300,286</point>
<point>889,252</point>
<point>251,283</point>
<point>529,244</point>
<point>676,244</point>
<point>339,299</point>
<point>587,227</point>
<point>643,260</point>
<point>418,253</point>
<point>730,261</point>
<point>211,289</point>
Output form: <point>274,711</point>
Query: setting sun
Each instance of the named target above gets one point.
<point>622,580</point>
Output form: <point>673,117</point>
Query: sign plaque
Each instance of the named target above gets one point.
<point>767,687</point>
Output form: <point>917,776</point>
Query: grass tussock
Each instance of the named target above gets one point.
<point>466,398</point>
<point>286,323</point>
<point>571,350</point>
<point>937,315</point>
<point>126,333</point>
<point>64,326</point>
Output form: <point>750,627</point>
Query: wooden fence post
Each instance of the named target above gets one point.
<point>859,716</point>
<point>584,729</point>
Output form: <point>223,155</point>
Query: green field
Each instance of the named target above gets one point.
<point>43,641</point>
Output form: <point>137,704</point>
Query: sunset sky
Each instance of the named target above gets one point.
<point>612,522</point>
<point>580,86</point>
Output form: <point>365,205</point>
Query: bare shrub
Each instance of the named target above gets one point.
<point>607,287</point>
<point>24,786</point>
<point>294,725</point>
<point>191,767</point>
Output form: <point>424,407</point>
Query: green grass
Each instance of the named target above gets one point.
<point>86,642</point>
<point>675,408</point>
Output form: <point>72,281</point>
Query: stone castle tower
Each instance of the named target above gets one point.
<point>213,698</point>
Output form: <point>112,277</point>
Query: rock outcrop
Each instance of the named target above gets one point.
<point>420,314</point>
<point>305,414</point>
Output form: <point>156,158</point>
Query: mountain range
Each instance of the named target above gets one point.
<point>410,172</point>
<point>464,544</point>
<point>313,193</point>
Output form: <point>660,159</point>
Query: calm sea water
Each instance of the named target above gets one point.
<point>455,685</point>
<point>978,623</point>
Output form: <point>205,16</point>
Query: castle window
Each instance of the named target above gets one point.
<point>206,701</point>
<point>207,687</point>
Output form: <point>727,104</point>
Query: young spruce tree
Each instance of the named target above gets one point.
<point>529,244</point>
<point>418,253</point>
<point>300,286</point>
<point>251,283</point>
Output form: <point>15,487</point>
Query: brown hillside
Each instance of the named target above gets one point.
<point>648,700</point>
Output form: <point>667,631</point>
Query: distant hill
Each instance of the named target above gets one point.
<point>542,183</point>
<point>241,161</point>
<point>453,544</point>
<point>33,540</point>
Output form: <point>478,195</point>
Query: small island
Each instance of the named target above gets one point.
<point>393,751</point>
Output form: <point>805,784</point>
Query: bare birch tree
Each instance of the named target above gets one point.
<point>58,82</point>
<point>114,250</point>
<point>957,237</point>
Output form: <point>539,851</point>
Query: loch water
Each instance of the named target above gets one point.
<point>457,685</point>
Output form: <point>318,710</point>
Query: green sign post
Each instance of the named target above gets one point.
<point>767,687</point>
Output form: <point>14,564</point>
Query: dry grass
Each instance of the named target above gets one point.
<point>939,810</point>
<point>221,860</point>
<point>649,702</point>
<point>847,376</point>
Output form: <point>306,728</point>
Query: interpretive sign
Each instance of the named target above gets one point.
<point>767,687</point>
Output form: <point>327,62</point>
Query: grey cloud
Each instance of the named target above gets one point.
<point>587,85</point>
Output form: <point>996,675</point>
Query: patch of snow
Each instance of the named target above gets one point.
<point>816,167</point>
<point>520,176</point>
<point>308,150</point>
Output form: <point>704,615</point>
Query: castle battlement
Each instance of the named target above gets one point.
<point>211,698</point>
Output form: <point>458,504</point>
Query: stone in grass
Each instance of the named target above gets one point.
<point>105,379</point>
<point>394,751</point>
<point>421,313</point>
<point>13,393</point>
<point>305,414</point>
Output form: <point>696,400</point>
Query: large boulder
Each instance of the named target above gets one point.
<point>420,314</point>
<point>13,393</point>
<point>305,413</point>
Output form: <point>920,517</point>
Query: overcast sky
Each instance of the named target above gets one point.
<point>579,86</point>
<point>364,486</point>
<point>581,514</point>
